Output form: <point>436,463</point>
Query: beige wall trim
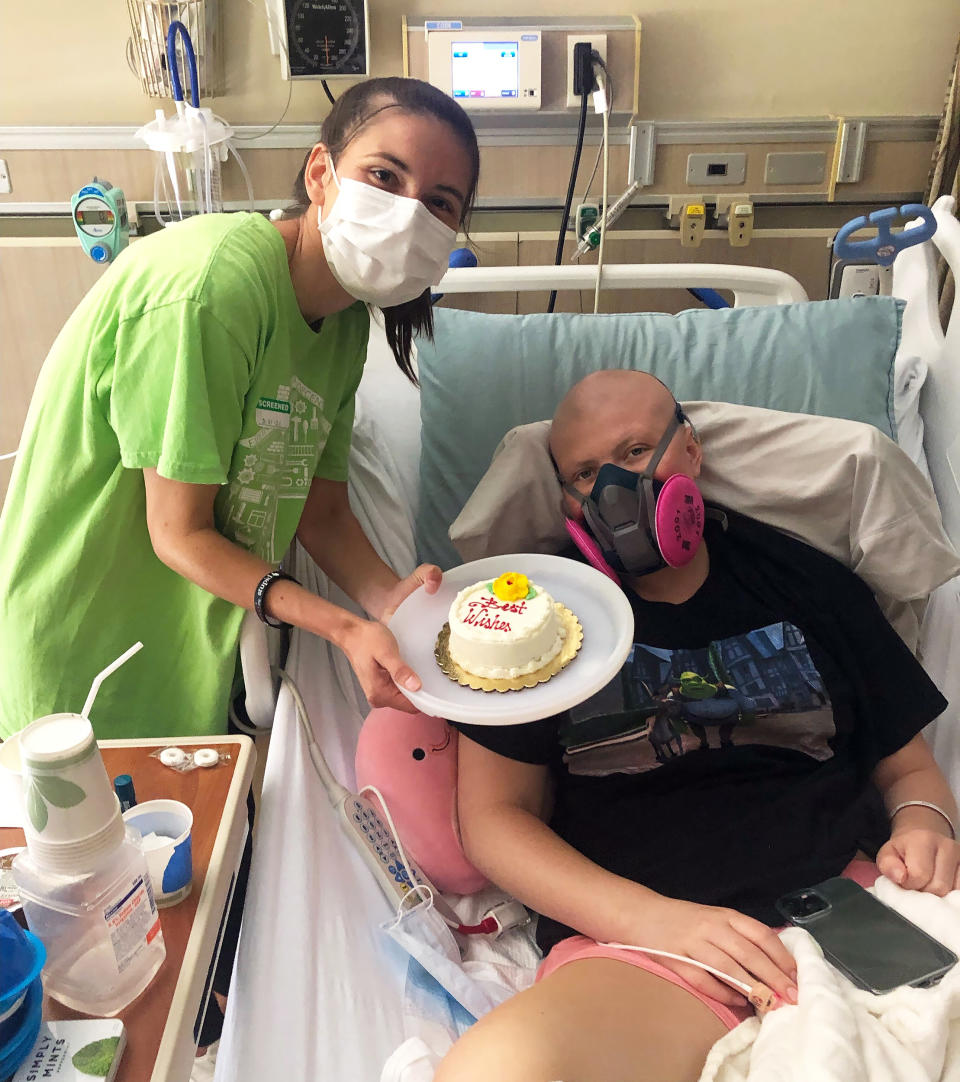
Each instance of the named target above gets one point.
<point>551,128</point>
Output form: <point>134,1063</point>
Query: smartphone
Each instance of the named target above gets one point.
<point>869,942</point>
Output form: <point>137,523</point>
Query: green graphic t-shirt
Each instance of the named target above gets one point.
<point>190,356</point>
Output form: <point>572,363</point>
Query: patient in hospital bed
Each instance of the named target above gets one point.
<point>763,736</point>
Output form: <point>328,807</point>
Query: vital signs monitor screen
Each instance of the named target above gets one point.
<point>484,69</point>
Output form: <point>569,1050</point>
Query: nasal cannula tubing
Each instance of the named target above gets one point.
<point>758,994</point>
<point>740,985</point>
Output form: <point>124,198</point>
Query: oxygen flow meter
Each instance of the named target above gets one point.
<point>100,218</point>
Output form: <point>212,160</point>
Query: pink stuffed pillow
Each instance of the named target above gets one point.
<point>412,760</point>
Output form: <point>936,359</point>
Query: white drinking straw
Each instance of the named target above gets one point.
<point>100,677</point>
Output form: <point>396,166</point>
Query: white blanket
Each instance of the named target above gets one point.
<point>838,1033</point>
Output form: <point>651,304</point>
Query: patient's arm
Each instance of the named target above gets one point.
<point>502,804</point>
<point>920,854</point>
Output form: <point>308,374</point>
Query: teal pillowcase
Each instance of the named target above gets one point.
<point>484,374</point>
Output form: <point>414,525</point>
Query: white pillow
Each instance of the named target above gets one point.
<point>909,373</point>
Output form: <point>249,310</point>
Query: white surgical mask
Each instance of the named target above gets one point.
<point>384,249</point>
<point>425,936</point>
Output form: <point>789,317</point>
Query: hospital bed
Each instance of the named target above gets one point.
<point>319,989</point>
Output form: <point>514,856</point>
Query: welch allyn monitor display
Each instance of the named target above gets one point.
<point>484,69</point>
<point>488,69</point>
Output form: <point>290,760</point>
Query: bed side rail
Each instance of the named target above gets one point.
<point>750,285</point>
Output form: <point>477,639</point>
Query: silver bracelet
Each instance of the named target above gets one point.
<point>932,807</point>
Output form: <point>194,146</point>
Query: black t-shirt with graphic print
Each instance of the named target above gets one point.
<point>729,761</point>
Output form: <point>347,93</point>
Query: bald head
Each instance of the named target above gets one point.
<point>616,416</point>
<point>601,398</point>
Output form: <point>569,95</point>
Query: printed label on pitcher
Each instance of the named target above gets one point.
<point>133,923</point>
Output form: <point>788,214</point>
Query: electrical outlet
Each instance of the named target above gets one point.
<point>598,42</point>
<point>693,219</point>
<point>5,186</point>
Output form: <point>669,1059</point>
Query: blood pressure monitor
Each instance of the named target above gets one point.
<point>486,68</point>
<point>100,218</point>
<point>324,38</point>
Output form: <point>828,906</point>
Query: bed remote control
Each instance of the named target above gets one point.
<point>371,836</point>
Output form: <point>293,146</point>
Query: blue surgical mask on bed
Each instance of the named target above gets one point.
<point>423,933</point>
<point>640,524</point>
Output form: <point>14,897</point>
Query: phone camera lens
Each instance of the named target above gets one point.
<point>809,904</point>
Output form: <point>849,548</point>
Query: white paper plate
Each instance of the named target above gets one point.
<point>597,602</point>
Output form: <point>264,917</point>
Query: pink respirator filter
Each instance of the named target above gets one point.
<point>679,520</point>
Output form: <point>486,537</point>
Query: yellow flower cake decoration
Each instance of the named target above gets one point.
<point>511,586</point>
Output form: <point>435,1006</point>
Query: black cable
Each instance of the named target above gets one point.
<point>326,90</point>
<point>581,127</point>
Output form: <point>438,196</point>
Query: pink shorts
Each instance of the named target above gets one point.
<point>578,947</point>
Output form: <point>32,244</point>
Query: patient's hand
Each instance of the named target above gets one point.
<point>921,859</point>
<point>428,576</point>
<point>736,945</point>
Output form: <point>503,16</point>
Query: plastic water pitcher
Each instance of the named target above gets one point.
<point>101,930</point>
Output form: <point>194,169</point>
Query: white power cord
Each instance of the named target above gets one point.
<point>601,94</point>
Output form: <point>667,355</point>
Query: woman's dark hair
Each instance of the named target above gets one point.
<point>351,111</point>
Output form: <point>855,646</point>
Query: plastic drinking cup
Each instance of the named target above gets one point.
<point>67,794</point>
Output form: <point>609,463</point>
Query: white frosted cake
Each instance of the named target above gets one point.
<point>504,629</point>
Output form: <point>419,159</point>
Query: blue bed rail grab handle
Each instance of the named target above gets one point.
<point>710,297</point>
<point>177,27</point>
<point>885,246</point>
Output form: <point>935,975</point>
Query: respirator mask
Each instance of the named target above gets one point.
<point>384,249</point>
<point>633,524</point>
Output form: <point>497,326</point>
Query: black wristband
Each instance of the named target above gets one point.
<point>260,596</point>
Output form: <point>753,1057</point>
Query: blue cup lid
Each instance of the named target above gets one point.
<point>23,957</point>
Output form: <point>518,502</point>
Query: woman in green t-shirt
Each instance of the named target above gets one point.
<point>194,415</point>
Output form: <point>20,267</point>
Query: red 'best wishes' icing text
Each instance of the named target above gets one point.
<point>483,613</point>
